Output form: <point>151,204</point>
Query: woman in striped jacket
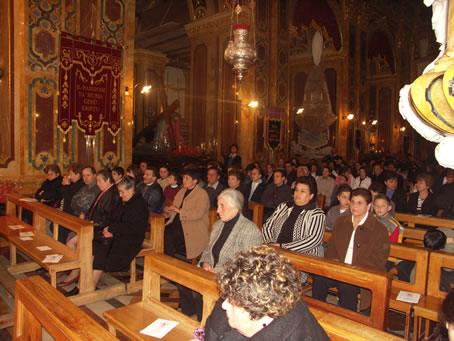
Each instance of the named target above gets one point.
<point>298,225</point>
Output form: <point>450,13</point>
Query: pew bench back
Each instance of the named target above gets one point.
<point>38,305</point>
<point>377,282</point>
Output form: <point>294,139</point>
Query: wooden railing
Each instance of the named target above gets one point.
<point>38,306</point>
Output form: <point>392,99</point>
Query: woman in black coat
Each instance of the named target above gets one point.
<point>422,201</point>
<point>232,159</point>
<point>124,235</point>
<point>50,191</point>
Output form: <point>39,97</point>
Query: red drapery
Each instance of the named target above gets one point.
<point>89,84</point>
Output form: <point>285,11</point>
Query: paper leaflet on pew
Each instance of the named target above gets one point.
<point>16,227</point>
<point>409,297</point>
<point>159,328</point>
<point>52,258</point>
<point>26,234</point>
<point>43,248</point>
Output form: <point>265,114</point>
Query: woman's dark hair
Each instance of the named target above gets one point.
<point>177,177</point>
<point>106,174</point>
<point>427,178</point>
<point>233,145</point>
<point>435,240</point>
<point>119,170</point>
<point>365,170</point>
<point>127,182</point>
<point>52,168</point>
<point>236,173</point>
<point>378,187</point>
<point>194,173</point>
<point>279,170</point>
<point>311,183</point>
<point>389,175</point>
<point>135,170</point>
<point>76,168</point>
<point>362,192</point>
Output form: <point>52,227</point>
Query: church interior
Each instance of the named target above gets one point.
<point>112,83</point>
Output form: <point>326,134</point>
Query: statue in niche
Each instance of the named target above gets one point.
<point>317,116</point>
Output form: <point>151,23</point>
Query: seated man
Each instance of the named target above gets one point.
<point>213,187</point>
<point>261,300</point>
<point>275,193</point>
<point>357,239</point>
<point>152,191</point>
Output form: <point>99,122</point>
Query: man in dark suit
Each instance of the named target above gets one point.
<point>152,191</point>
<point>213,186</point>
<point>253,191</point>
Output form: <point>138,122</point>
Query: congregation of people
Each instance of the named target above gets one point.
<point>301,200</point>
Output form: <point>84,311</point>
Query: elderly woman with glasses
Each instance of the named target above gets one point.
<point>231,234</point>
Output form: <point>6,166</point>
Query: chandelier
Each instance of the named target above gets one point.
<point>239,52</point>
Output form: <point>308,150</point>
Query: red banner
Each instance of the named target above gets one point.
<point>89,83</point>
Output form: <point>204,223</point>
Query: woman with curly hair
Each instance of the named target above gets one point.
<point>261,300</point>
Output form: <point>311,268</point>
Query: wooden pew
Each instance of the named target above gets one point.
<point>7,282</point>
<point>81,258</point>
<point>414,219</point>
<point>134,317</point>
<point>339,328</point>
<point>321,199</point>
<point>213,217</point>
<point>429,306</point>
<point>378,282</point>
<point>257,212</point>
<point>412,253</point>
<point>38,305</point>
<point>154,242</point>
<point>421,257</point>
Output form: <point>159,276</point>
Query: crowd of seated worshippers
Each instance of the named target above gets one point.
<point>288,191</point>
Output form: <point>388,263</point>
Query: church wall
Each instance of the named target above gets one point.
<point>37,139</point>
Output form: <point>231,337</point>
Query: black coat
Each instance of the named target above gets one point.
<point>127,224</point>
<point>102,209</point>
<point>213,194</point>
<point>153,196</point>
<point>445,200</point>
<point>50,192</point>
<point>68,192</point>
<point>298,325</point>
<point>400,199</point>
<point>428,206</point>
<point>229,161</point>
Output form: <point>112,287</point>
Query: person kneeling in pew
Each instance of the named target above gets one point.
<point>261,300</point>
<point>358,239</point>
